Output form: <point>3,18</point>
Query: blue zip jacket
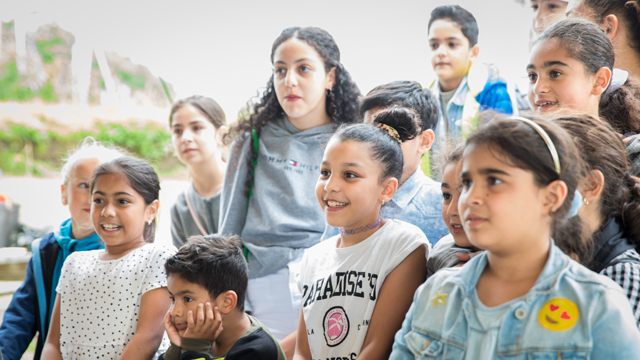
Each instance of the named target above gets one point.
<point>22,319</point>
<point>569,313</point>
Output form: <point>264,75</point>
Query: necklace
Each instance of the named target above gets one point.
<point>373,225</point>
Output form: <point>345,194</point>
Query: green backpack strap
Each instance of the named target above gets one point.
<point>254,137</point>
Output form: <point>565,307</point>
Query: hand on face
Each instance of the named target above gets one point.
<point>205,324</point>
<point>172,331</point>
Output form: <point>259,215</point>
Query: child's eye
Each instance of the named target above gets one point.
<point>173,300</point>
<point>325,173</point>
<point>555,74</point>
<point>350,175</point>
<point>97,201</point>
<point>534,7</point>
<point>446,196</point>
<point>466,183</point>
<point>494,181</point>
<point>279,71</point>
<point>197,127</point>
<point>532,77</point>
<point>433,46</point>
<point>123,201</point>
<point>84,185</point>
<point>187,299</point>
<point>453,45</point>
<point>305,68</point>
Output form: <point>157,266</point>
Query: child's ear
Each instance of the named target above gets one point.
<point>390,187</point>
<point>221,134</point>
<point>475,52</point>
<point>602,79</point>
<point>554,197</point>
<point>610,25</point>
<point>593,185</point>
<point>152,210</point>
<point>227,301</point>
<point>426,140</point>
<point>331,78</point>
<point>63,193</point>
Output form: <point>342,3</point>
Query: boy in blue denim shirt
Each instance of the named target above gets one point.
<point>418,199</point>
<point>463,88</point>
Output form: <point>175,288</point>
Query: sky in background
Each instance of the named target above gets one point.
<point>221,49</point>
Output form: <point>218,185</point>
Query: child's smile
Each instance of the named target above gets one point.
<point>348,183</point>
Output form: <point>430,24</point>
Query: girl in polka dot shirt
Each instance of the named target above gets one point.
<point>111,302</point>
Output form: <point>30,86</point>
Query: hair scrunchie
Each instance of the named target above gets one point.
<point>391,131</point>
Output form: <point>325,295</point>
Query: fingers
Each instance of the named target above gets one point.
<point>200,319</point>
<point>167,320</point>
<point>463,257</point>
<point>191,324</point>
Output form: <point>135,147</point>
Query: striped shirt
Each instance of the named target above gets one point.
<point>625,271</point>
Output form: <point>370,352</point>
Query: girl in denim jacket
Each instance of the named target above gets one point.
<point>522,298</point>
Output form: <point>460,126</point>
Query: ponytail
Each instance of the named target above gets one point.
<point>631,210</point>
<point>621,107</point>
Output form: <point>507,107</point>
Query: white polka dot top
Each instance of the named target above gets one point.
<point>100,300</point>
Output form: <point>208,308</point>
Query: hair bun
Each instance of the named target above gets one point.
<point>400,123</point>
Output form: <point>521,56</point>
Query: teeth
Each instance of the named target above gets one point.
<point>456,226</point>
<point>335,204</point>
<point>547,103</point>
<point>110,227</point>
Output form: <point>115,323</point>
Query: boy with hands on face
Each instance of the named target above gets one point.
<point>207,281</point>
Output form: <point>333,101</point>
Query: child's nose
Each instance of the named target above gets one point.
<point>291,79</point>
<point>176,311</point>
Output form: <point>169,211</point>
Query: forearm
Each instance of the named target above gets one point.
<point>288,345</point>
<point>51,352</point>
<point>141,346</point>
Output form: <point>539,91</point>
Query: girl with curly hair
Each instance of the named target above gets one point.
<point>268,195</point>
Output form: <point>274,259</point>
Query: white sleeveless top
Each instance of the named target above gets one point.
<point>340,286</point>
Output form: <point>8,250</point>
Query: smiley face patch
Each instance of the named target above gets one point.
<point>558,314</point>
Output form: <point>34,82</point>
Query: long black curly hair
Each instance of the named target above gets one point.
<point>342,100</point>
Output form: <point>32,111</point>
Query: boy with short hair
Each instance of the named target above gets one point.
<point>207,281</point>
<point>462,88</point>
<point>418,199</point>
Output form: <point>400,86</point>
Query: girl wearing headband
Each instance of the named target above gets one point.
<point>357,286</point>
<point>571,69</point>
<point>522,297</point>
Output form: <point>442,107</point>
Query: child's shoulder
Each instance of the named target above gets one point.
<point>257,343</point>
<point>405,230</point>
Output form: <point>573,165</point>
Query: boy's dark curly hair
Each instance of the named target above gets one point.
<point>214,262</point>
<point>342,99</point>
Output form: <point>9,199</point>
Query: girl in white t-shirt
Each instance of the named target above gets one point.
<point>348,309</point>
<point>111,302</point>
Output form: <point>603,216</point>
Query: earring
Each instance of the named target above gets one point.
<point>149,222</point>
<point>382,203</point>
<point>585,201</point>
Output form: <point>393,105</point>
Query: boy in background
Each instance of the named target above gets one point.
<point>463,88</point>
<point>418,199</point>
<point>207,281</point>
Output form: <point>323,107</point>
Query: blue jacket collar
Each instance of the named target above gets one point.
<point>458,97</point>
<point>408,190</point>
<point>468,276</point>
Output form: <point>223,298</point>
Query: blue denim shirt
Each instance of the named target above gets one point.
<point>603,327</point>
<point>419,202</point>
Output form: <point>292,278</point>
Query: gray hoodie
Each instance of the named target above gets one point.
<point>283,217</point>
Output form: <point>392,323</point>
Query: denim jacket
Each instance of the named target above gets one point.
<point>600,325</point>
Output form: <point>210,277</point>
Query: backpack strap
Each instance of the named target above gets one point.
<point>193,213</point>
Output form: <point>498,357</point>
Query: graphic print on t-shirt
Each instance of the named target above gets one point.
<point>335,326</point>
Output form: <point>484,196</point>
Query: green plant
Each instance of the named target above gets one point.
<point>47,93</point>
<point>44,49</point>
<point>20,146</point>
<point>134,81</point>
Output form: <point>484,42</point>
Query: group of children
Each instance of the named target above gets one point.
<point>319,236</point>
